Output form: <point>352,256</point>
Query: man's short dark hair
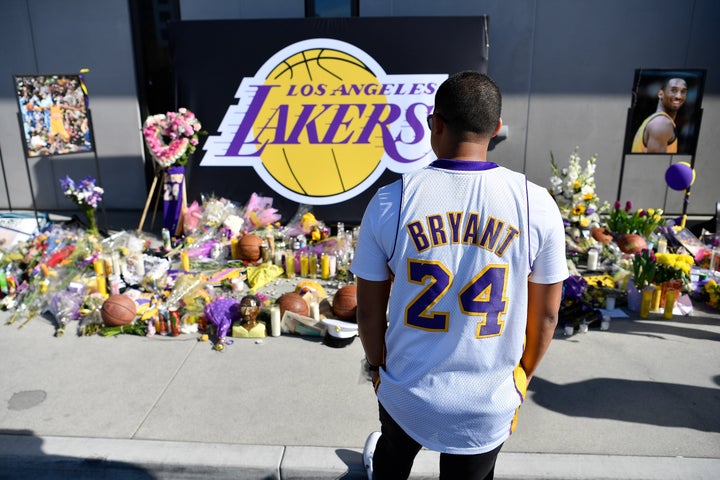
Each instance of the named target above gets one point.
<point>469,101</point>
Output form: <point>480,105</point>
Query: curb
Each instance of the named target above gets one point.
<point>79,458</point>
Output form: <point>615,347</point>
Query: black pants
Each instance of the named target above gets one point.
<point>396,451</point>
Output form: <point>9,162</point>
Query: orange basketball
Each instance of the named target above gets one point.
<point>249,247</point>
<point>293,302</point>
<point>344,304</point>
<point>118,310</point>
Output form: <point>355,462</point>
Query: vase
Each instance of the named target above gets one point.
<point>657,290</point>
<point>92,221</point>
<point>634,297</point>
<point>674,284</point>
<point>646,301</point>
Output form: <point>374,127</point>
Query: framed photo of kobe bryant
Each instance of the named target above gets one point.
<point>53,112</point>
<point>665,112</point>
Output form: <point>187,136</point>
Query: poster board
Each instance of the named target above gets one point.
<point>54,114</point>
<point>665,112</point>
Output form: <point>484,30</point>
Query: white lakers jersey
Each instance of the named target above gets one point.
<point>459,240</point>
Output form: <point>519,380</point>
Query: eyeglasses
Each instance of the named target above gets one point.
<point>430,119</point>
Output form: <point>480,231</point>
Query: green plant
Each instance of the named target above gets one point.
<point>644,268</point>
<point>622,221</point>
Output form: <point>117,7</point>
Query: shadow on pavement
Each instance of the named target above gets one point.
<point>635,401</point>
<point>656,329</point>
<point>22,456</point>
<point>354,462</point>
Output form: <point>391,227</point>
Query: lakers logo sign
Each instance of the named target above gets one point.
<point>321,121</point>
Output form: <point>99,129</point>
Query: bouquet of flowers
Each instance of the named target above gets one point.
<point>624,221</point>
<point>673,266</point>
<point>86,194</point>
<point>644,268</point>
<point>573,188</point>
<point>712,290</point>
<point>172,137</point>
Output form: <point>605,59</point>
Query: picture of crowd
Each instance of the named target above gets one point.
<point>53,109</point>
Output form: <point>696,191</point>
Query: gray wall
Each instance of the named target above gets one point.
<point>566,68</point>
<point>46,36</point>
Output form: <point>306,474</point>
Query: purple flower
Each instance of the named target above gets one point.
<point>589,211</point>
<point>628,206</point>
<point>67,183</point>
<point>574,286</point>
<point>617,205</point>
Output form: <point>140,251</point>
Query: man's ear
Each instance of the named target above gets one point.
<point>499,126</point>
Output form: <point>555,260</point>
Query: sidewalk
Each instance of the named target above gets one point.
<point>640,401</point>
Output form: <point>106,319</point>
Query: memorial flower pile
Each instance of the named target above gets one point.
<point>573,188</point>
<point>172,137</point>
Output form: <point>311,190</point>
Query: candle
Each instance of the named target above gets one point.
<point>324,267</point>
<point>313,266</point>
<point>275,321</point>
<point>114,284</point>
<point>101,284</point>
<point>185,261</point>
<point>315,311</point>
<point>610,303</point>
<point>115,261</point>
<point>304,262</point>
<point>290,264</point>
<point>234,249</point>
<point>278,258</point>
<point>646,301</point>
<point>99,266</point>
<point>592,260</point>
<point>670,297</point>
<point>333,265</point>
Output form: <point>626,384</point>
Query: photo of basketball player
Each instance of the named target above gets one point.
<point>53,114</point>
<point>665,114</point>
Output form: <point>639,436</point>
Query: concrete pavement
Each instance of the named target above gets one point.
<point>640,401</point>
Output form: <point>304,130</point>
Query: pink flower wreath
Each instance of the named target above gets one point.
<point>173,137</point>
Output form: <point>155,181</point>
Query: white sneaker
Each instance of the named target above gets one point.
<point>368,452</point>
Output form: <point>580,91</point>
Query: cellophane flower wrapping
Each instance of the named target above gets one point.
<point>221,312</point>
<point>65,306</point>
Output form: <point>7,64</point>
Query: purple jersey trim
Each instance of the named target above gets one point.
<point>463,165</point>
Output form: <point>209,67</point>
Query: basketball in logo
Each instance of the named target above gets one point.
<point>323,100</point>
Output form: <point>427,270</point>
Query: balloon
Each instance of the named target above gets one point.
<point>679,176</point>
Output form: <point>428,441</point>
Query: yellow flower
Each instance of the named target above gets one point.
<point>579,209</point>
<point>588,196</point>
<point>576,184</point>
<point>584,222</point>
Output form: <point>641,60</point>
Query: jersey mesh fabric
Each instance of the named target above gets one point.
<point>449,389</point>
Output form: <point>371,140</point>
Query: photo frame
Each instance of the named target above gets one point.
<point>676,127</point>
<point>54,114</point>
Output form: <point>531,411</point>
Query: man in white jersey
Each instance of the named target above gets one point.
<point>459,271</point>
